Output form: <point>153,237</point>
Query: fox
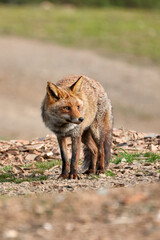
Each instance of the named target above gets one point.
<point>78,107</point>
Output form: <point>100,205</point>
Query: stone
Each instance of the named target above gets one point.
<point>10,234</point>
<point>30,157</point>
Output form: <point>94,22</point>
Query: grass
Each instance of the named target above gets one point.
<point>109,173</point>
<point>7,168</point>
<point>152,157</point>
<point>9,177</point>
<point>37,174</point>
<point>47,164</point>
<point>130,157</point>
<point>92,176</point>
<point>3,138</point>
<point>106,30</point>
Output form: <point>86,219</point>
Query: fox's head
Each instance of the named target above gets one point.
<point>65,105</point>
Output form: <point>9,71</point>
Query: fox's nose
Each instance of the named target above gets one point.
<point>81,119</point>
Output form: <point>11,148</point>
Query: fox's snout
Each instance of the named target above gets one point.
<point>75,120</point>
<point>81,119</point>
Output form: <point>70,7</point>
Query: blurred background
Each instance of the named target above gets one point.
<point>116,42</point>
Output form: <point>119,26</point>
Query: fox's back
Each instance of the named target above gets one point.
<point>89,85</point>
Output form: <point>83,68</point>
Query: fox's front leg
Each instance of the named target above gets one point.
<point>76,146</point>
<point>65,163</point>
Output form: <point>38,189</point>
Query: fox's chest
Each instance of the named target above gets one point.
<point>66,130</point>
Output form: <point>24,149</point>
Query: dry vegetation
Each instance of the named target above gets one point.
<point>36,165</point>
<point>118,204</point>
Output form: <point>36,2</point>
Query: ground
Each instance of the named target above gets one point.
<point>121,203</point>
<point>123,213</point>
<point>26,66</point>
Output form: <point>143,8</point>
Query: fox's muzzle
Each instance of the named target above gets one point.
<point>81,119</point>
<point>76,120</point>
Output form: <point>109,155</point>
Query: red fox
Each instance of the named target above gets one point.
<point>78,107</point>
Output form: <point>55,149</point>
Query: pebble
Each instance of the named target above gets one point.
<point>158,216</point>
<point>47,226</point>
<point>102,175</point>
<point>10,234</point>
<point>139,174</point>
<point>30,157</point>
<point>102,191</point>
<point>123,160</point>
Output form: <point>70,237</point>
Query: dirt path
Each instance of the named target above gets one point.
<point>26,65</point>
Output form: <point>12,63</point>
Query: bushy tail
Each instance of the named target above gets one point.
<point>88,155</point>
<point>87,158</point>
<point>107,148</point>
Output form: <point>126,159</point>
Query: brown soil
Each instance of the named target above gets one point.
<point>26,66</point>
<point>123,206</point>
<point>123,213</point>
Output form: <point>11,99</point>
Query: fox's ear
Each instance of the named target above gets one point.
<point>53,91</point>
<point>77,86</point>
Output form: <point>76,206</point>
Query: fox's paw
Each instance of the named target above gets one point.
<point>63,175</point>
<point>89,171</point>
<point>74,175</point>
<point>99,171</point>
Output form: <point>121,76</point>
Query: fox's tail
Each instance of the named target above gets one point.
<point>107,148</point>
<point>107,153</point>
<point>87,158</point>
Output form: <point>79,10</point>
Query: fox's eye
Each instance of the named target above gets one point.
<point>78,107</point>
<point>67,108</point>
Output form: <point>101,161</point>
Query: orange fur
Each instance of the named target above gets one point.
<point>78,107</point>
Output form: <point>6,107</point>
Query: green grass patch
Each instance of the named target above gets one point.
<point>130,157</point>
<point>47,164</point>
<point>3,138</point>
<point>106,30</point>
<point>109,173</point>
<point>152,157</point>
<point>92,176</point>
<point>9,177</point>
<point>6,168</point>
<point>36,174</point>
<point>27,166</point>
<point>6,177</point>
